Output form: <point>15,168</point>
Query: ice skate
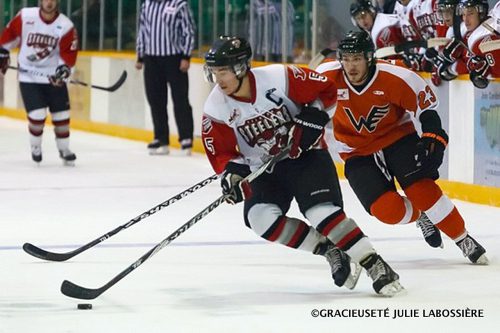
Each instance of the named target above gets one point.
<point>36,154</point>
<point>68,157</point>
<point>157,148</point>
<point>473,250</point>
<point>431,233</point>
<point>385,280</point>
<point>340,264</point>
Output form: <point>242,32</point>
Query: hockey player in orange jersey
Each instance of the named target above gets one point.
<point>379,143</point>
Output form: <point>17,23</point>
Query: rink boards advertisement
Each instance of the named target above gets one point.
<point>487,135</point>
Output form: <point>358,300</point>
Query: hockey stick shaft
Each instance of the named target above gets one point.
<point>393,50</point>
<point>319,58</point>
<point>111,88</point>
<point>70,289</point>
<point>52,256</point>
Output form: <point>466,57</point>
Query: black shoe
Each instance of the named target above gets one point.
<point>385,280</point>
<point>155,144</point>
<point>431,233</point>
<point>68,157</point>
<point>473,250</point>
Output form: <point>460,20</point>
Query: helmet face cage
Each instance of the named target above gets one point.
<point>231,52</point>
<point>482,7</point>
<point>356,42</point>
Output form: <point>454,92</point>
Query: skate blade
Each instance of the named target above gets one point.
<point>159,151</point>
<point>353,278</point>
<point>69,163</point>
<point>392,289</point>
<point>482,260</point>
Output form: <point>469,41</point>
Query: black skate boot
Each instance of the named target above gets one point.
<point>36,154</point>
<point>340,265</point>
<point>385,280</point>
<point>473,250</point>
<point>157,148</point>
<point>431,233</point>
<point>68,157</point>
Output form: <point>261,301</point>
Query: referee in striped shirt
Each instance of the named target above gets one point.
<point>164,45</point>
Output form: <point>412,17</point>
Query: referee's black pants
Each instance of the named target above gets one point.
<point>158,71</point>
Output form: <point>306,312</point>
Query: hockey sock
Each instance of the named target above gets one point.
<point>36,123</point>
<point>61,129</point>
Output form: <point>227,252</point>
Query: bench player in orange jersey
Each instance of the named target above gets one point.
<point>379,143</point>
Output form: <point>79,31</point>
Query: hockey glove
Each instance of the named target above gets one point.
<point>446,72</point>
<point>429,59</point>
<point>432,143</point>
<point>479,69</point>
<point>453,50</point>
<point>233,185</point>
<point>4,60</point>
<point>307,130</point>
<point>412,61</point>
<point>62,73</point>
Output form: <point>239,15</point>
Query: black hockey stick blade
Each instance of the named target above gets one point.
<point>35,251</point>
<point>70,289</point>
<point>112,88</point>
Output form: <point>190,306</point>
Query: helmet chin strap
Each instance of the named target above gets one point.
<point>240,83</point>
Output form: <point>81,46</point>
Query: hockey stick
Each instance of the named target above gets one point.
<point>111,88</point>
<point>491,45</point>
<point>52,256</point>
<point>70,289</point>
<point>393,50</point>
<point>318,58</point>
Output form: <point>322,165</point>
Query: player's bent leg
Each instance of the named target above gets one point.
<point>60,120</point>
<point>268,221</point>
<point>332,222</point>
<point>392,208</point>
<point>427,196</point>
<point>36,123</point>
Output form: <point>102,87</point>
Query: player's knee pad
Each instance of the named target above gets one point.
<point>36,121</point>
<point>60,120</point>
<point>423,193</point>
<point>268,221</point>
<point>392,208</point>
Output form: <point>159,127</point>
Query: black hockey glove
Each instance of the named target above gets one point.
<point>429,59</point>
<point>453,50</point>
<point>445,71</point>
<point>4,60</point>
<point>62,73</point>
<point>433,142</point>
<point>233,185</point>
<point>307,130</point>
<point>412,61</point>
<point>479,70</point>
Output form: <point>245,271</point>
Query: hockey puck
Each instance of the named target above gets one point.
<point>84,306</point>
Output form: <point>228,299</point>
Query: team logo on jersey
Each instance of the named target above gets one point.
<point>378,92</point>
<point>376,114</point>
<point>234,116</point>
<point>276,100</point>
<point>298,73</point>
<point>30,22</point>
<point>342,94</point>
<point>267,130</point>
<point>42,44</point>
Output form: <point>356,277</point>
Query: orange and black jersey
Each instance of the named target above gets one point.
<point>369,120</point>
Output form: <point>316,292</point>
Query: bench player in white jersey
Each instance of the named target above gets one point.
<point>48,49</point>
<point>250,115</point>
<point>480,65</point>
<point>379,143</point>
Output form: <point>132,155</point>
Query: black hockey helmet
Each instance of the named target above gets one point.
<point>359,6</point>
<point>481,5</point>
<point>233,52</point>
<point>357,42</point>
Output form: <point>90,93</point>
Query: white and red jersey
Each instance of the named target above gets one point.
<point>368,121</point>
<point>251,131</point>
<point>408,31</point>
<point>385,31</point>
<point>482,34</point>
<point>424,17</point>
<point>43,45</point>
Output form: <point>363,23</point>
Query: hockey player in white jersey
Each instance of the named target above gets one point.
<point>48,47</point>
<point>251,115</point>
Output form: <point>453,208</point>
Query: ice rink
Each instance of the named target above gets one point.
<point>216,277</point>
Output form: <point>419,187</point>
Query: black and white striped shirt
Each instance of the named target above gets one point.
<point>166,27</point>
